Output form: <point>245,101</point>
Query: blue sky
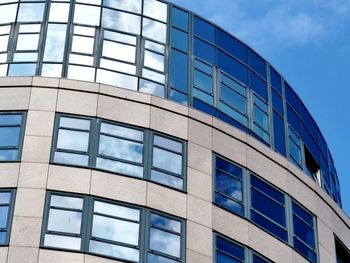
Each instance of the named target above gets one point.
<point>308,42</point>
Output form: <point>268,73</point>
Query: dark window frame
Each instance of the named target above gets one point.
<point>10,214</point>
<point>147,157</point>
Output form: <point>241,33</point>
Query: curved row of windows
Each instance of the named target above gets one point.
<point>242,193</point>
<point>112,229</point>
<point>158,48</point>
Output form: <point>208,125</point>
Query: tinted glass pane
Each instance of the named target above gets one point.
<point>179,39</point>
<point>230,248</point>
<point>179,18</point>
<point>167,179</point>
<point>234,99</point>
<point>257,259</point>
<point>31,12</point>
<point>277,102</point>
<point>267,189</point>
<point>66,202</point>
<point>121,149</point>
<point>152,258</point>
<point>204,51</point>
<point>203,96</point>
<point>165,242</point>
<point>128,5</point>
<point>88,15</point>
<point>151,88</point>
<point>155,9</point>
<point>291,97</point>
<point>167,143</point>
<point>116,79</point>
<point>233,113</point>
<point>279,134</point>
<point>268,207</point>
<point>122,21</point>
<point>64,221</point>
<point>22,70</point>
<point>116,210</point>
<point>114,250</point>
<point>167,160</point>
<point>203,67</point>
<point>228,168</point>
<point>308,218</point>
<point>293,119</point>
<point>258,85</point>
<point>269,226</point>
<point>261,118</point>
<point>303,231</point>
<point>233,85</point>
<point>257,63</point>
<point>71,158</point>
<point>228,185</point>
<point>308,120</point>
<point>115,230</point>
<point>74,123</point>
<point>3,216</point>
<point>73,140</point>
<point>275,80</point>
<point>62,241</point>
<point>121,131</point>
<point>204,29</point>
<point>154,60</point>
<point>229,204</point>
<point>154,30</point>
<point>233,67</point>
<point>231,45</point>
<point>9,136</point>
<point>222,258</point>
<point>5,197</point>
<point>203,81</point>
<point>166,223</point>
<point>3,237</point>
<point>304,250</point>
<point>179,71</point>
<point>119,167</point>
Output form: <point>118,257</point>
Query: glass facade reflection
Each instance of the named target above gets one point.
<point>115,230</point>
<point>155,47</point>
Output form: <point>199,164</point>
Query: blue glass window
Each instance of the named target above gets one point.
<point>261,119</point>
<point>294,147</point>
<point>258,85</point>
<point>11,129</point>
<point>179,18</point>
<point>277,102</point>
<point>322,144</point>
<point>258,259</point>
<point>204,29</point>
<point>232,46</point>
<point>233,67</point>
<point>268,208</point>
<point>228,252</point>
<point>310,142</point>
<point>204,51</point>
<point>308,120</point>
<point>293,119</point>
<point>275,80</point>
<point>228,186</point>
<point>304,232</point>
<point>233,100</point>
<point>257,63</point>
<point>179,71</point>
<point>178,97</point>
<point>6,212</point>
<point>279,133</point>
<point>179,39</point>
<point>292,98</point>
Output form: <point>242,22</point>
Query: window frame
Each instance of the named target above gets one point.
<point>10,214</point>
<point>87,226</point>
<point>22,127</point>
<point>147,155</point>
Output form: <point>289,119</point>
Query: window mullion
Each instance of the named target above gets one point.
<point>94,138</point>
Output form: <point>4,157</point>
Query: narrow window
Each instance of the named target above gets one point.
<point>343,254</point>
<point>312,167</point>
<point>268,208</point>
<point>6,213</point>
<point>228,186</point>
<point>304,239</point>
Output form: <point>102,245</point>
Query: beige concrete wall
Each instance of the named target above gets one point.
<point>42,97</point>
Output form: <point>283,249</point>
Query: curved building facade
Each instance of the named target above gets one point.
<point>137,131</point>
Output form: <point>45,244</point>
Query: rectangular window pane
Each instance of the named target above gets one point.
<point>119,51</point>
<point>8,13</point>
<point>25,69</point>
<point>165,242</point>
<point>133,6</point>
<point>88,15</point>
<point>73,140</point>
<point>116,79</point>
<point>55,42</point>
<point>120,167</point>
<point>66,202</point>
<point>115,251</point>
<point>167,161</point>
<point>154,30</point>
<point>116,211</point>
<point>62,241</point>
<point>121,21</point>
<point>179,71</point>
<point>64,221</point>
<point>27,42</point>
<point>59,12</point>
<point>31,12</point>
<point>155,9</point>
<point>168,143</point>
<point>154,60</point>
<point>122,131</point>
<point>9,136</point>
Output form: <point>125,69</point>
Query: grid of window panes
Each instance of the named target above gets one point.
<point>111,229</point>
<point>120,149</point>
<point>228,251</point>
<point>11,136</point>
<point>6,213</point>
<point>242,193</point>
<point>135,45</point>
